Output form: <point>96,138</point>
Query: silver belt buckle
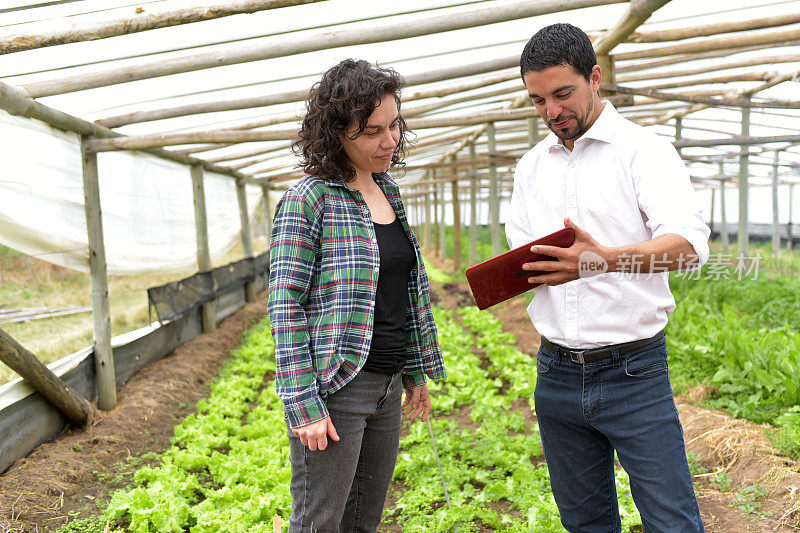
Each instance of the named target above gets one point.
<point>576,356</point>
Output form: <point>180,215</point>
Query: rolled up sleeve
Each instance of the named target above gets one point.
<point>667,198</point>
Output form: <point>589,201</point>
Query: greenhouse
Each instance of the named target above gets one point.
<point>147,145</point>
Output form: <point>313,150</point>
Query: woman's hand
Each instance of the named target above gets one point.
<point>417,402</point>
<point>315,435</point>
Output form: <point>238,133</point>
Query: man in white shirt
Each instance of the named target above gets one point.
<point>603,381</point>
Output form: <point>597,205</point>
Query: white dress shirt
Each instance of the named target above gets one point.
<point>624,185</point>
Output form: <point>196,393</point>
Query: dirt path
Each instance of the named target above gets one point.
<point>79,469</point>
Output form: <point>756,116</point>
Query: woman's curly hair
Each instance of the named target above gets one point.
<point>347,93</point>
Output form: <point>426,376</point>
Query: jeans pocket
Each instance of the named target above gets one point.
<point>544,360</point>
<point>650,361</point>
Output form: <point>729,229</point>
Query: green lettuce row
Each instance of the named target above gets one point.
<point>496,461</point>
<point>228,467</point>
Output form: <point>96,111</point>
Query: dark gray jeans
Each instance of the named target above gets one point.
<point>343,488</point>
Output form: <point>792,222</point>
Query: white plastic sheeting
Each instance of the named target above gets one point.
<point>146,201</point>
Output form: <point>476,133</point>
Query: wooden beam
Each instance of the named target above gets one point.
<point>229,104</point>
<point>751,76</point>
<point>41,378</point>
<point>225,136</point>
<point>767,60</point>
<point>289,46</point>
<point>101,308</point>
<point>697,56</point>
<point>138,142</point>
<point>15,102</point>
<point>737,141</point>
<point>723,43</point>
<point>471,120</point>
<point>77,29</point>
<point>638,12</point>
<point>728,102</point>
<point>678,34</point>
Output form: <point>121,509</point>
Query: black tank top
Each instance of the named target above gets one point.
<point>387,353</point>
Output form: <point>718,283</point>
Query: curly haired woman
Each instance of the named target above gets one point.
<point>348,303</point>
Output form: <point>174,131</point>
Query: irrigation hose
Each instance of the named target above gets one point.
<point>438,462</point>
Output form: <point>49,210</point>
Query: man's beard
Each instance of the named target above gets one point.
<point>580,126</point>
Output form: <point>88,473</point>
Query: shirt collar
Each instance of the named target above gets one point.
<point>602,129</point>
<point>383,180</point>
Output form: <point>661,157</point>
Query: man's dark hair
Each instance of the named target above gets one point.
<point>558,44</point>
<point>347,93</point>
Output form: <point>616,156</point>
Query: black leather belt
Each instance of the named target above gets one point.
<point>598,354</point>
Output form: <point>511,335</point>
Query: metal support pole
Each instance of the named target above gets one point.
<point>209,309</point>
<point>101,307</point>
<point>776,229</point>
<point>494,198</point>
<point>744,175</point>
<point>247,238</point>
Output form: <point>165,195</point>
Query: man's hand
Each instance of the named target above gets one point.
<point>315,435</point>
<point>417,403</point>
<point>566,268</point>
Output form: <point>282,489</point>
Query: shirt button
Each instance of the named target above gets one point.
<point>375,269</point>
<point>572,164</point>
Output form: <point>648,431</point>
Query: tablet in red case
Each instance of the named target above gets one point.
<point>502,277</point>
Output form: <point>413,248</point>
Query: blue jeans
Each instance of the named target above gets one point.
<point>623,403</point>
<point>342,489</point>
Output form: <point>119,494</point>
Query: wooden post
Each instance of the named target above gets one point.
<point>427,227</point>
<point>776,230</point>
<point>789,238</point>
<point>711,215</point>
<point>744,174</point>
<point>101,308</point>
<point>435,242</point>
<point>247,238</point>
<point>533,131</point>
<point>266,189</point>
<point>209,309</point>
<point>494,198</point>
<point>456,222</point>
<point>41,378</point>
<point>606,63</point>
<point>473,208</point>
<point>442,219</point>
<point>722,213</point>
<point>679,131</point>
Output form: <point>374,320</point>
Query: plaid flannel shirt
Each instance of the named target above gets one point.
<point>323,276</point>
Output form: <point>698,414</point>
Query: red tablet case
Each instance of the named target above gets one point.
<point>502,277</point>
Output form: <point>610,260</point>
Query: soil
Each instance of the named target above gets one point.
<point>79,469</point>
<point>83,465</point>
